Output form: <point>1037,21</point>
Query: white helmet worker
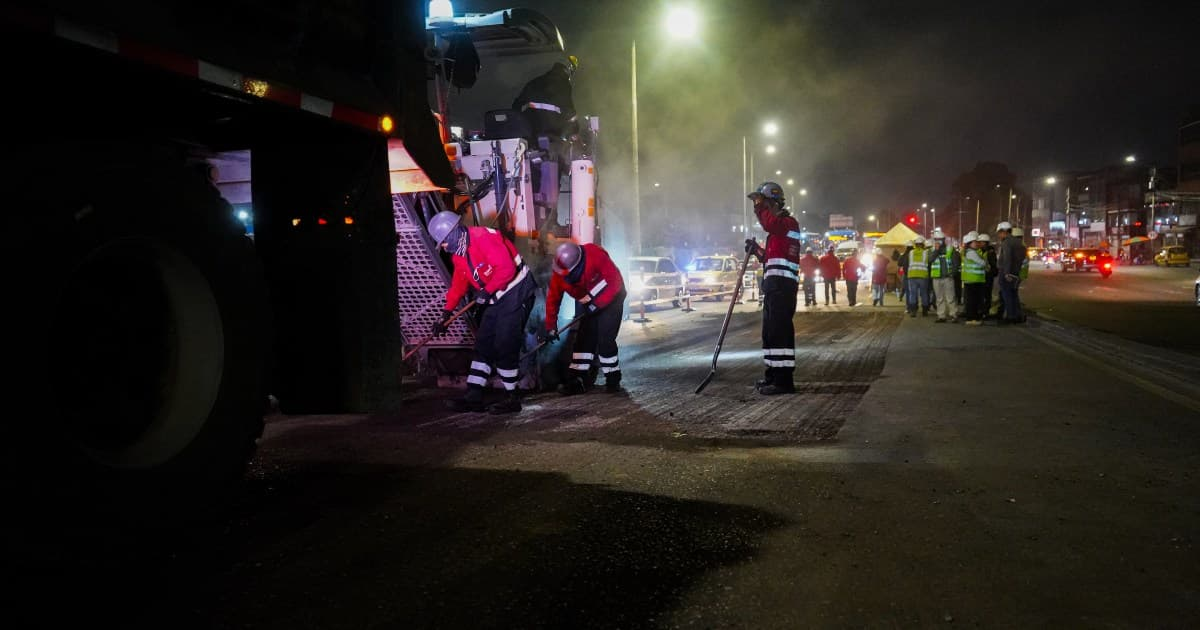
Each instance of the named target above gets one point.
<point>1004,226</point>
<point>969,238</point>
<point>920,240</point>
<point>984,238</point>
<point>938,234</point>
<point>972,234</point>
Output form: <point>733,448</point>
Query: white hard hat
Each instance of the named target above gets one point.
<point>1004,226</point>
<point>972,234</point>
<point>938,233</point>
<point>920,240</point>
<point>984,237</point>
<point>969,238</point>
<point>910,242</point>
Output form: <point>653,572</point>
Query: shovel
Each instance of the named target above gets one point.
<point>725,325</point>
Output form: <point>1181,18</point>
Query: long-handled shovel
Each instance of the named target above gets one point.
<point>456,315</point>
<point>728,314</point>
<point>556,333</point>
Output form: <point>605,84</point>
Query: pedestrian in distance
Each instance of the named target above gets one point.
<point>831,270</point>
<point>781,257</point>
<point>901,259</point>
<point>974,274</point>
<point>918,278</point>
<point>810,266</point>
<point>989,254</point>
<point>850,272</point>
<point>1011,258</point>
<point>944,266</point>
<point>487,264</point>
<point>587,273</point>
<point>879,276</point>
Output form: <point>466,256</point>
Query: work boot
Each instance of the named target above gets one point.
<point>776,389</point>
<point>761,383</point>
<point>512,404</point>
<point>612,385</point>
<point>572,387</point>
<point>472,401</point>
<point>940,320</point>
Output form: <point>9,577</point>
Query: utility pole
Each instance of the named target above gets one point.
<point>977,215</point>
<point>637,190</point>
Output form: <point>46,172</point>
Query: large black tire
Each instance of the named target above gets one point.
<point>153,331</point>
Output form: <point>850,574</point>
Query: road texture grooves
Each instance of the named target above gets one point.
<point>838,355</point>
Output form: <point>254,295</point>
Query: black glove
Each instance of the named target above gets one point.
<point>751,246</point>
<point>483,297</point>
<point>443,325</point>
<point>547,336</point>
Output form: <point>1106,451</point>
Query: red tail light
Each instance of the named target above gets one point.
<point>1079,256</point>
<point>1108,265</point>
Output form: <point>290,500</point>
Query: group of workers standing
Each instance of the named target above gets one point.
<point>947,277</point>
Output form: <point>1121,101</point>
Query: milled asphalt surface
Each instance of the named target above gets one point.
<point>986,477</point>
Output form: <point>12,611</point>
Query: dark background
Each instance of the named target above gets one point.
<point>880,104</point>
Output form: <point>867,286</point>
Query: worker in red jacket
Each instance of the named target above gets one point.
<point>489,265</point>
<point>587,273</point>
<point>831,270</point>
<point>809,266</point>
<point>781,258</point>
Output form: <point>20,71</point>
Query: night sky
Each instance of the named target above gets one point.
<point>880,104</point>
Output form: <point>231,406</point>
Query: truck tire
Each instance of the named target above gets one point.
<point>154,332</point>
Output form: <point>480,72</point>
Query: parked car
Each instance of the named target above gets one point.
<point>712,274</point>
<point>653,278</point>
<point>1171,256</point>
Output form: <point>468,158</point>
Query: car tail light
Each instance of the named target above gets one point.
<point>1108,265</point>
<point>1079,256</point>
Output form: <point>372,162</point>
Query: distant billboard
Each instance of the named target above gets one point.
<point>841,222</point>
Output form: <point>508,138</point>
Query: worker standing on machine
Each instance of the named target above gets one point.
<point>587,273</point>
<point>547,103</point>
<point>781,278</point>
<point>488,264</point>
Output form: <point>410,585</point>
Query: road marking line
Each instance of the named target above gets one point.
<point>1149,386</point>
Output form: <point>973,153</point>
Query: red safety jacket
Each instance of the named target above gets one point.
<point>809,265</point>
<point>601,279</point>
<point>831,267</point>
<point>782,253</point>
<point>492,264</point>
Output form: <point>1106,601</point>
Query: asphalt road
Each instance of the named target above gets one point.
<point>926,475</point>
<point>1144,303</point>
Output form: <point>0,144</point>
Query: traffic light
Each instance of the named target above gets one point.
<point>912,219</point>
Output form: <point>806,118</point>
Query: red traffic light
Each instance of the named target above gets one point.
<point>912,219</point>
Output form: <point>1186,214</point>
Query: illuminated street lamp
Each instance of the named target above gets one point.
<point>1130,159</point>
<point>769,129</point>
<point>1050,181</point>
<point>681,23</point>
<point>770,149</point>
<point>803,192</point>
<point>791,182</point>
<point>876,220</point>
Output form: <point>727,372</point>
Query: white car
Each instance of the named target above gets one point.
<point>712,274</point>
<point>653,278</point>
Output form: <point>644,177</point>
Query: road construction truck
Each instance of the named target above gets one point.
<point>213,205</point>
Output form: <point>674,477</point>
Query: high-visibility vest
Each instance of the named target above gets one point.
<point>1024,268</point>
<point>918,263</point>
<point>943,264</point>
<point>974,268</point>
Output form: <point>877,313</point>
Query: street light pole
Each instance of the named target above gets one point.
<point>637,190</point>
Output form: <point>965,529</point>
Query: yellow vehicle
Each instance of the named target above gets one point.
<point>712,275</point>
<point>1171,256</point>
